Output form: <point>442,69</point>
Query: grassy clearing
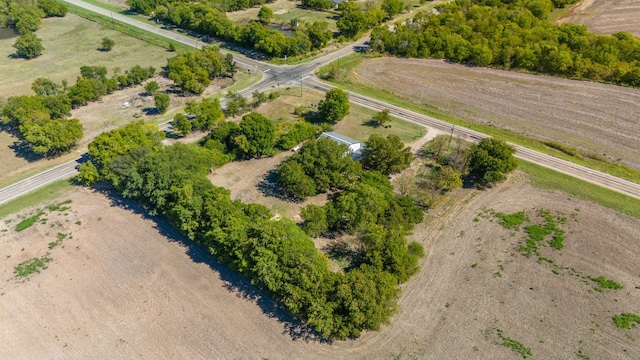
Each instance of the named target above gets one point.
<point>59,206</point>
<point>61,238</point>
<point>26,223</point>
<point>557,14</point>
<point>69,43</point>
<point>514,345</point>
<point>353,125</point>
<point>626,320</point>
<point>129,30</point>
<point>538,232</point>
<point>347,81</point>
<point>29,267</point>
<point>512,221</point>
<point>48,192</point>
<point>604,283</point>
<point>544,178</point>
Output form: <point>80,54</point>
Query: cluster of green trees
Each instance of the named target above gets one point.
<point>193,71</point>
<point>323,164</point>
<point>318,166</point>
<point>208,20</point>
<point>255,136</point>
<point>41,120</point>
<point>148,7</point>
<point>93,82</point>
<point>514,35</point>
<point>275,254</point>
<point>490,161</point>
<point>26,16</point>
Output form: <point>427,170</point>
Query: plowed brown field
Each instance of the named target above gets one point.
<point>597,118</point>
<point>127,286</point>
<point>606,16</point>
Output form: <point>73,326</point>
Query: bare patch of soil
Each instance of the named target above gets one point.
<point>128,286</point>
<point>594,117</point>
<point>606,16</point>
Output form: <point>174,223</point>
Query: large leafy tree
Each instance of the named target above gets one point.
<point>162,102</point>
<point>207,112</point>
<point>490,161</point>
<point>28,46</point>
<point>52,137</point>
<point>181,124</point>
<point>265,15</point>
<point>386,155</point>
<point>335,106</point>
<point>260,134</point>
<point>319,34</point>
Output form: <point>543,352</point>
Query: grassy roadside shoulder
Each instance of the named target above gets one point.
<point>348,82</point>
<point>128,29</point>
<point>47,192</point>
<point>552,180</point>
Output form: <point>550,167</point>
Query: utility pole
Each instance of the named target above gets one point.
<point>451,137</point>
<point>300,85</point>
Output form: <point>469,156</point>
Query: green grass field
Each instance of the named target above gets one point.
<point>349,82</point>
<point>69,43</point>
<point>353,125</point>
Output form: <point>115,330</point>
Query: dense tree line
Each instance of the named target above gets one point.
<point>318,166</point>
<point>514,35</point>
<point>148,7</point>
<point>193,71</point>
<point>209,19</point>
<point>275,254</point>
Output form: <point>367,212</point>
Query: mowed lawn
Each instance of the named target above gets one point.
<point>69,43</point>
<point>353,125</point>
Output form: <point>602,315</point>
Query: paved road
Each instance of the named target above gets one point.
<point>303,75</point>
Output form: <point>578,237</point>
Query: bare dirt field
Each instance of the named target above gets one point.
<point>606,16</point>
<point>597,118</point>
<point>123,285</point>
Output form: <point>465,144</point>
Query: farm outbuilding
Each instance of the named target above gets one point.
<point>355,147</point>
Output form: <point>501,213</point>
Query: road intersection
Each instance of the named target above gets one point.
<point>303,75</point>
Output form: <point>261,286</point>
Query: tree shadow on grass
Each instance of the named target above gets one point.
<point>348,256</point>
<point>234,282</point>
<point>24,151</point>
<point>150,111</point>
<point>269,187</point>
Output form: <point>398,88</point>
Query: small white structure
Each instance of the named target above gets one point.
<point>355,147</point>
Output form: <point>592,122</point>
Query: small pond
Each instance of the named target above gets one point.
<point>285,30</point>
<point>7,33</point>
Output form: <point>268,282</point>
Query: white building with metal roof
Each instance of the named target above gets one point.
<point>355,147</point>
